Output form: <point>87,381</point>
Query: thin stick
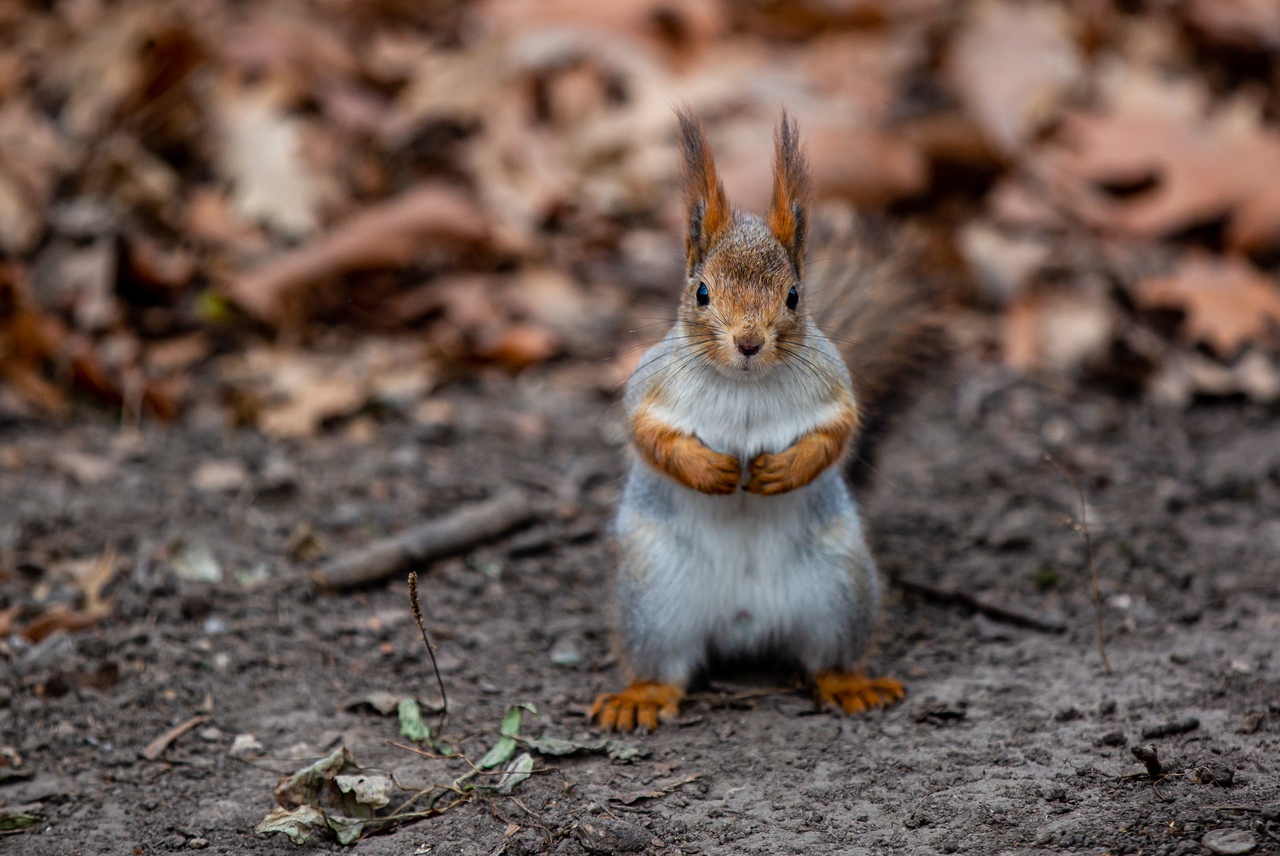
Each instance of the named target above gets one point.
<point>1093,564</point>
<point>458,531</point>
<point>431,649</point>
<point>156,747</point>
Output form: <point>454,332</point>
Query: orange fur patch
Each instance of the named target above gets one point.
<point>854,692</point>
<point>803,461</point>
<point>683,457</point>
<point>642,705</point>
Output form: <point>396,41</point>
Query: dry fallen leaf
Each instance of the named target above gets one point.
<point>260,156</point>
<point>1181,377</point>
<point>1248,23</point>
<point>1013,63</point>
<point>1057,332</point>
<point>1228,302</point>
<point>91,577</point>
<point>1220,167</point>
<point>387,235</point>
<point>293,392</point>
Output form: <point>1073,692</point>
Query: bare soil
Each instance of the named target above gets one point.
<point>1012,739</point>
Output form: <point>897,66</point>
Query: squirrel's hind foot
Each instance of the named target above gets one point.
<point>854,692</point>
<point>641,705</point>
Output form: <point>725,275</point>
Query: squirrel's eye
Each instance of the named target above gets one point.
<point>793,298</point>
<point>704,297</point>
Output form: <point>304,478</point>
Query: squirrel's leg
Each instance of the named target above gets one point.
<point>832,655</point>
<point>660,640</point>
<point>682,456</point>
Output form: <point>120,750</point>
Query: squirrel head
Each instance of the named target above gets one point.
<point>743,304</point>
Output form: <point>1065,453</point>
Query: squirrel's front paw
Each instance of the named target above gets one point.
<point>641,705</point>
<point>714,473</point>
<point>772,474</point>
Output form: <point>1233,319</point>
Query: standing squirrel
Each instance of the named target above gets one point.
<point>737,532</point>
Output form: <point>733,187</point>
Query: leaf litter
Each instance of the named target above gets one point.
<point>334,177</point>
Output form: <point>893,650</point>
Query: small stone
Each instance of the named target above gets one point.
<point>606,835</point>
<point>991,631</point>
<point>84,469</point>
<point>1214,774</point>
<point>1067,714</point>
<point>176,841</point>
<point>1251,722</point>
<point>1114,738</point>
<point>246,746</point>
<point>210,735</point>
<point>1229,841</point>
<point>196,563</point>
<point>565,652</point>
<point>278,474</point>
<point>220,477</point>
<point>1015,529</point>
<point>198,843</point>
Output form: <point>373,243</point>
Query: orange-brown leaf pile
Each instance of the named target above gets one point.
<point>495,182</point>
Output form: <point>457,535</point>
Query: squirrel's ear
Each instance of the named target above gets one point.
<point>788,207</point>
<point>707,206</point>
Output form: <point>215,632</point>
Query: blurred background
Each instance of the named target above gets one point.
<point>288,214</point>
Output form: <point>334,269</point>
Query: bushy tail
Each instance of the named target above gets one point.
<point>884,320</point>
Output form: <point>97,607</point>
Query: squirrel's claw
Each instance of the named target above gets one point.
<point>642,705</point>
<point>719,475</point>
<point>853,692</point>
<point>770,474</point>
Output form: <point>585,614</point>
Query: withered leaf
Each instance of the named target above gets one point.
<point>1228,302</point>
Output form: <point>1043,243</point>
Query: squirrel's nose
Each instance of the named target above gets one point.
<point>748,346</point>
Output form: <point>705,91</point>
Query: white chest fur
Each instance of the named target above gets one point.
<point>750,412</point>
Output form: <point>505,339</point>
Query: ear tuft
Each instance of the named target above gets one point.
<point>707,207</point>
<point>789,206</point>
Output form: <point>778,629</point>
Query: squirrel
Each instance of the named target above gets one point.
<point>738,535</point>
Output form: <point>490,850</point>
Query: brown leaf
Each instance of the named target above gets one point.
<point>1228,302</point>
<point>1201,170</point>
<point>291,393</point>
<point>388,235</point>
<point>518,345</point>
<point>260,157</point>
<point>162,269</point>
<point>1058,332</point>
<point>1183,376</point>
<point>689,24</point>
<point>1248,23</point>
<point>91,577</point>
<point>62,617</point>
<point>1013,63</point>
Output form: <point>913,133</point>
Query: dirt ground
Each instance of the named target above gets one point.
<point>1012,739</point>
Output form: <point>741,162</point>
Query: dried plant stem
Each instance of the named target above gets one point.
<point>1093,564</point>
<point>416,607</point>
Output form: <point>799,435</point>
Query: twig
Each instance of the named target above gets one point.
<point>450,534</point>
<point>1046,623</point>
<point>1170,729</point>
<point>1093,564</point>
<point>156,747</point>
<point>1147,755</point>
<point>416,607</point>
